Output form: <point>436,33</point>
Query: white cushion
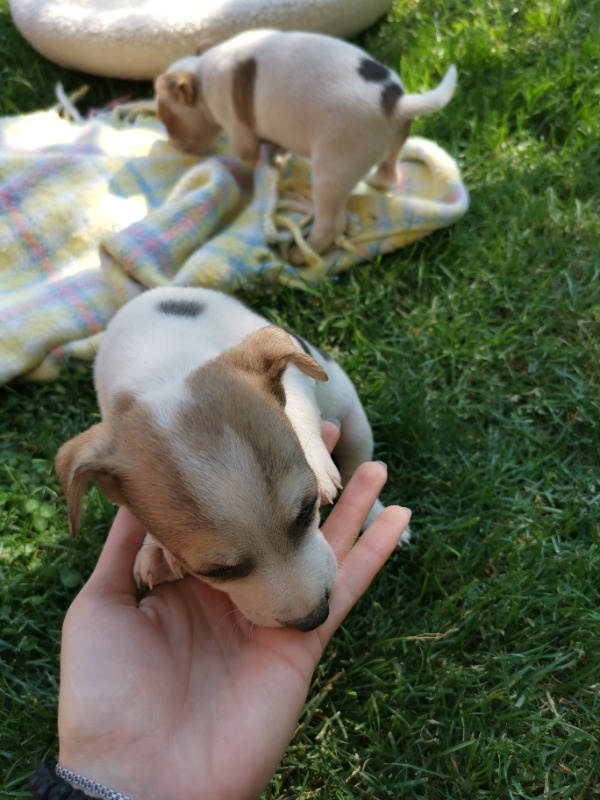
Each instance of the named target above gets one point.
<point>138,39</point>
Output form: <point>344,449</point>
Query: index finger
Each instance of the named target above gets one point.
<point>350,512</point>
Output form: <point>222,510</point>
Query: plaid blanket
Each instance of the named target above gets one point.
<point>94,211</point>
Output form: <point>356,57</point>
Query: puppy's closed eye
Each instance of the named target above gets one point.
<point>308,509</point>
<point>227,572</point>
<point>304,517</point>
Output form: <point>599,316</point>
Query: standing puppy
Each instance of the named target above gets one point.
<point>211,436</point>
<point>310,94</point>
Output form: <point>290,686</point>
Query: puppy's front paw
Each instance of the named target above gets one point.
<point>154,565</point>
<point>330,483</point>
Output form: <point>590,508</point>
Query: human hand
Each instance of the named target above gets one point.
<point>178,696</point>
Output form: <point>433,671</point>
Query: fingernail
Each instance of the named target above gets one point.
<point>408,510</point>
<point>335,422</point>
<point>383,464</point>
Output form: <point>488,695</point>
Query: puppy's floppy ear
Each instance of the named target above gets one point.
<point>181,86</point>
<point>88,456</point>
<point>267,353</point>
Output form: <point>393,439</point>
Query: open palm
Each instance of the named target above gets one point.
<point>178,696</point>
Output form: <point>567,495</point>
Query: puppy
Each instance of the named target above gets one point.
<point>211,436</point>
<point>307,93</point>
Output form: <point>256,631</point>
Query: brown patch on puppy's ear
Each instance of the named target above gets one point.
<point>244,78</point>
<point>180,86</point>
<point>267,353</point>
<point>88,456</point>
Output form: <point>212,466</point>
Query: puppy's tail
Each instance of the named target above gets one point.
<point>413,105</point>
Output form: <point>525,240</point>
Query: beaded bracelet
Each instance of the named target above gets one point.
<point>50,781</point>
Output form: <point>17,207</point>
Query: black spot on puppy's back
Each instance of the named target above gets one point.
<point>390,94</point>
<point>181,308</point>
<point>391,91</point>
<point>373,71</point>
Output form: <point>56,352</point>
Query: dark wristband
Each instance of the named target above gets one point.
<point>45,784</point>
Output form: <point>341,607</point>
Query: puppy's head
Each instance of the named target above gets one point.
<point>224,486</point>
<point>182,109</point>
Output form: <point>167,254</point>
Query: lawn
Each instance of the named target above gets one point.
<point>471,669</point>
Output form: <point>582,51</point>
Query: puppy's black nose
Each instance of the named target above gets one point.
<point>315,618</point>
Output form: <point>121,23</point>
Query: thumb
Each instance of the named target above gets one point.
<point>113,574</point>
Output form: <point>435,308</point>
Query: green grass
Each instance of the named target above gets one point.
<point>472,667</point>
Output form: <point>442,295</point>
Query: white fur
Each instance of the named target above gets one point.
<point>152,355</point>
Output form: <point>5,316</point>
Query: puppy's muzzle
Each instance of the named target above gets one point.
<point>314,619</point>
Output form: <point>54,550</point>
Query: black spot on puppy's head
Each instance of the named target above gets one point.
<point>373,71</point>
<point>181,308</point>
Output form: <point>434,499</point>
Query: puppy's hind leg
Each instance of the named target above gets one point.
<point>354,447</point>
<point>244,143</point>
<point>333,180</point>
<point>385,176</point>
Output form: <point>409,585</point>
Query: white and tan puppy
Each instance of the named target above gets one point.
<point>211,436</point>
<point>307,93</point>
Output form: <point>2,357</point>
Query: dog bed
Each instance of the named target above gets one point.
<point>138,39</point>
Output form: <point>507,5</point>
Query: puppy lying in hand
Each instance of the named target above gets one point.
<point>211,436</point>
<point>307,93</point>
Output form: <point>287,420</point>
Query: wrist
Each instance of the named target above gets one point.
<point>50,781</point>
<point>90,787</point>
<point>120,776</point>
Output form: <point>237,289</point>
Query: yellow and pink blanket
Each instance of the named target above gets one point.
<point>94,211</point>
